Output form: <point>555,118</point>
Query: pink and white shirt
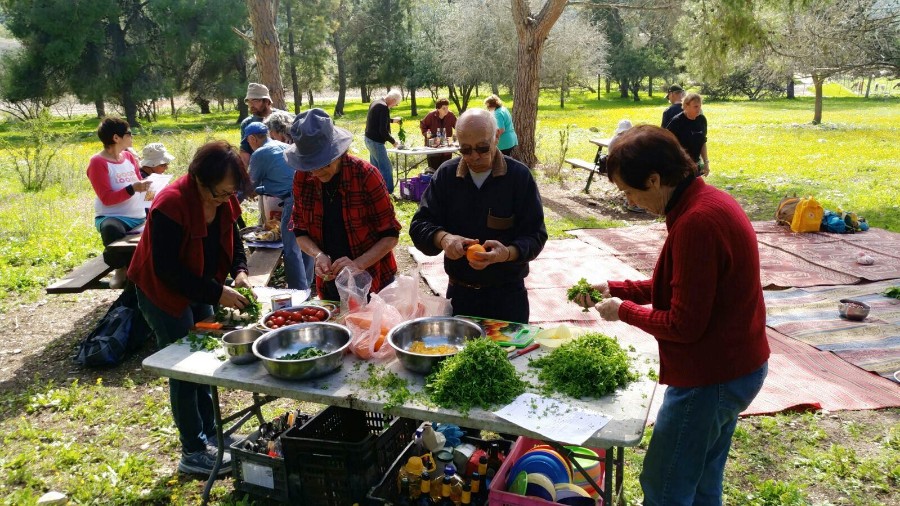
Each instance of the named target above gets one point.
<point>110,181</point>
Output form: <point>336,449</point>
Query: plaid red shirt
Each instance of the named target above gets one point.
<point>366,208</point>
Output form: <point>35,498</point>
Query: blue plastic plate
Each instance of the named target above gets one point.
<point>536,463</point>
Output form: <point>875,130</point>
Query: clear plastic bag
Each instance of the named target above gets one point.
<point>353,286</point>
<point>369,328</point>
<point>403,293</point>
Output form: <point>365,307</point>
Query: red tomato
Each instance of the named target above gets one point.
<point>273,327</point>
<point>314,319</point>
<point>294,315</point>
<point>308,311</point>
<point>270,321</point>
<point>322,315</point>
<point>278,313</point>
<point>279,320</point>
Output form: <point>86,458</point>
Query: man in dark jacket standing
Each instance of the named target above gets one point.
<point>378,131</point>
<point>674,95</point>
<point>486,198</point>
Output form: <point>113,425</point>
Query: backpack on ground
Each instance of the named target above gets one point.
<point>120,332</point>
<point>784,213</point>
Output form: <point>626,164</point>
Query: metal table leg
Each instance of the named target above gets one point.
<point>242,417</point>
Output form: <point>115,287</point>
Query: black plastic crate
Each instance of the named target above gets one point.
<point>385,492</point>
<point>337,456</point>
<point>258,474</point>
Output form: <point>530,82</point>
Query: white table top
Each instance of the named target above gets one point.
<point>627,408</point>
<point>423,150</point>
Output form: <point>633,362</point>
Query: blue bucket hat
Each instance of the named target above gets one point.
<point>317,142</point>
<point>255,128</point>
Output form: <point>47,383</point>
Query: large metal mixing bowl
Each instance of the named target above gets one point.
<point>328,337</point>
<point>239,345</point>
<point>433,331</point>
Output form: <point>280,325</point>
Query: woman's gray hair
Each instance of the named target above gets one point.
<point>280,123</point>
<point>393,96</point>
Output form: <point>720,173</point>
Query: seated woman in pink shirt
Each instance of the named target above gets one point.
<point>116,178</point>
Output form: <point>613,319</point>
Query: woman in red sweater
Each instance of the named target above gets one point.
<point>704,305</point>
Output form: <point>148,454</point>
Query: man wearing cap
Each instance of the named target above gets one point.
<point>674,95</point>
<point>343,215</point>
<point>260,104</point>
<point>155,159</point>
<point>271,175</point>
<point>488,198</point>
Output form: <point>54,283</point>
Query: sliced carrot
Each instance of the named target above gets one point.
<point>208,325</point>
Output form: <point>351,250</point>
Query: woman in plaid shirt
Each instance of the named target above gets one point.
<point>343,215</point>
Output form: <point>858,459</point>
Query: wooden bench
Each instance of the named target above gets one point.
<point>597,167</point>
<point>261,264</point>
<point>87,276</point>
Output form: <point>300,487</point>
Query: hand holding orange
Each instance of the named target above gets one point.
<point>472,250</point>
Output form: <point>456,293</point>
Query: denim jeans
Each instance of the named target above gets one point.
<point>685,462</point>
<point>298,266</point>
<point>378,156</point>
<point>192,407</point>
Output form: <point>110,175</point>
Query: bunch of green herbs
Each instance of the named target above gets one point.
<point>305,353</point>
<point>582,287</point>
<point>593,365</point>
<point>250,313</point>
<point>892,292</point>
<point>202,342</point>
<point>479,375</point>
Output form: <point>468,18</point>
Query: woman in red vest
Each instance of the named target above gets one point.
<point>190,244</point>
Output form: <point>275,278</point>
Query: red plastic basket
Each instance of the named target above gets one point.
<point>500,497</point>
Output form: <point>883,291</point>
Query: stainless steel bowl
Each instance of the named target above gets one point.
<point>239,345</point>
<point>853,309</point>
<point>265,317</point>
<point>328,337</point>
<point>433,331</point>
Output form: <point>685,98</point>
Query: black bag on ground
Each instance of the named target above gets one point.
<point>120,332</point>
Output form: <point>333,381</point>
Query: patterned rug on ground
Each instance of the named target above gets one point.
<point>811,315</point>
<point>787,259</point>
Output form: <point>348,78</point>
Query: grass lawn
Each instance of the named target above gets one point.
<point>111,440</point>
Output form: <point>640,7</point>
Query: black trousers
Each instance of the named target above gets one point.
<point>507,302</point>
<point>111,230</point>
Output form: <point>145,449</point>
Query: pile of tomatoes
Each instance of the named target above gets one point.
<point>284,317</point>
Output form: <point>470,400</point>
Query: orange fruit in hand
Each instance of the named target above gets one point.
<point>471,250</point>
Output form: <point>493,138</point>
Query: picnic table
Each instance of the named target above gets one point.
<point>423,151</point>
<point>628,408</point>
<point>261,263</point>
<point>597,167</point>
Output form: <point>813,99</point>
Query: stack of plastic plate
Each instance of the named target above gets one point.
<point>594,469</point>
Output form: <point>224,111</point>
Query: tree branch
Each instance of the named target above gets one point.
<point>242,35</point>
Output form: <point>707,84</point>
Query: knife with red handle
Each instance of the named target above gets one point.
<point>518,353</point>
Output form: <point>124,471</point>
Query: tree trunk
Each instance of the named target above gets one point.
<point>309,97</point>
<point>364,93</point>
<point>119,53</point>
<point>650,88</point>
<point>172,105</point>
<point>623,88</point>
<point>531,32</point>
<point>101,108</point>
<point>818,81</point>
<point>562,94</point>
<point>204,105</point>
<point>495,88</point>
<point>414,110</point>
<point>608,85</point>
<point>635,89</point>
<point>451,93</point>
<point>295,86</point>
<point>338,47</point>
<point>240,63</point>
<point>265,44</point>
<point>598,86</point>
<point>869,85</point>
<point>790,88</point>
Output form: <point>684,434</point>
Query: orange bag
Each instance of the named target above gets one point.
<point>807,216</point>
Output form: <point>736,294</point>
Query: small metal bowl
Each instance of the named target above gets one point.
<point>328,337</point>
<point>853,309</point>
<point>433,331</point>
<point>265,317</point>
<point>239,345</point>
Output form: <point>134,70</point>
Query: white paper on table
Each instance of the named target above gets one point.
<point>553,418</point>
<point>157,183</point>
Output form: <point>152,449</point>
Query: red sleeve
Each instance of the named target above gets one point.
<point>696,252</point>
<point>423,125</point>
<point>638,292</point>
<point>451,125</point>
<point>98,174</point>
